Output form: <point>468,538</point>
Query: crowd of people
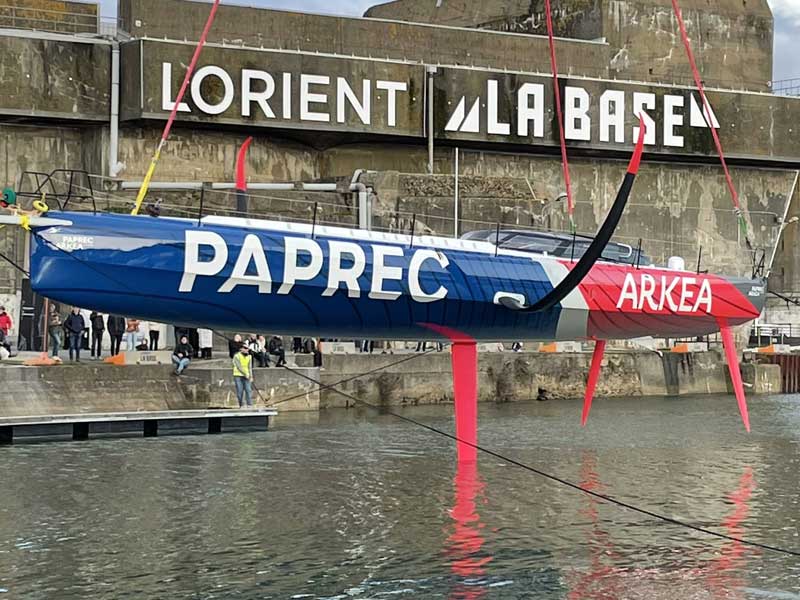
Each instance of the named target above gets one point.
<point>85,331</point>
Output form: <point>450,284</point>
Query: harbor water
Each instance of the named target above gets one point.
<point>357,504</point>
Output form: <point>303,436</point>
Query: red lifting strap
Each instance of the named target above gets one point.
<point>560,114</point>
<point>708,117</point>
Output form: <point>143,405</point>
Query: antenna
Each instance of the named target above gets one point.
<point>314,221</point>
<point>639,253</point>
<point>202,198</point>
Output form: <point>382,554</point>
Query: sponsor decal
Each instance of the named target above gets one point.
<point>75,242</point>
<point>530,115</point>
<point>343,267</point>
<point>652,293</point>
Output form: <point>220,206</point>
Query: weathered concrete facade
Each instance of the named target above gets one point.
<point>642,35</point>
<point>56,114</point>
<point>504,377</point>
<point>50,15</point>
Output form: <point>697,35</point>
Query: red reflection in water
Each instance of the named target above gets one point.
<point>465,543</point>
<point>721,572</point>
<point>599,582</point>
<point>605,581</point>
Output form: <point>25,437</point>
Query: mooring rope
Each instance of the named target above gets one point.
<point>483,449</point>
<point>556,479</point>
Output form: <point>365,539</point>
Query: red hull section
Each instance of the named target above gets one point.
<point>624,302</point>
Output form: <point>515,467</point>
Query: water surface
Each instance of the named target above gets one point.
<point>353,504</point>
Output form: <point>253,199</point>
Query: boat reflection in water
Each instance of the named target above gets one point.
<point>465,543</point>
<point>723,575</point>
<point>608,575</point>
<point>606,579</point>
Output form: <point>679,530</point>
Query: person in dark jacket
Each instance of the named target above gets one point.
<point>98,328</point>
<point>116,328</point>
<point>182,355</point>
<point>235,345</point>
<point>74,326</point>
<point>276,349</point>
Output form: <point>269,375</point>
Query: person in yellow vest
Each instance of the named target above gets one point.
<point>243,376</point>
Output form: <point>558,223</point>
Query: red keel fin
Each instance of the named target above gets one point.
<point>594,375</point>
<point>464,357</point>
<point>733,366</point>
<point>465,389</point>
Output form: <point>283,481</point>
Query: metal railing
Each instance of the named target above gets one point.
<point>57,21</point>
<point>786,87</point>
<point>777,333</point>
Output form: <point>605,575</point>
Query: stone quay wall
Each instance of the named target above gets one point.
<point>503,377</point>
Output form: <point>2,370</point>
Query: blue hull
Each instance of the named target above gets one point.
<point>137,266</point>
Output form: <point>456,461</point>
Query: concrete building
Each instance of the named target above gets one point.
<point>395,101</point>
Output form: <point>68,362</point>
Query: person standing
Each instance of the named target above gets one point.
<point>6,324</point>
<point>205,338</point>
<point>276,349</point>
<point>243,376</point>
<point>55,330</point>
<point>318,353</point>
<point>194,341</point>
<point>182,355</point>
<point>87,333</point>
<point>158,331</point>
<point>131,333</point>
<point>75,326</point>
<point>116,327</point>
<point>98,328</point>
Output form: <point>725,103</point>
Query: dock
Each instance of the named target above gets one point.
<point>147,423</point>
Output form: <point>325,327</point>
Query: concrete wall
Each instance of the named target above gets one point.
<point>52,78</point>
<point>283,389</point>
<point>732,39</point>
<point>50,15</point>
<point>676,210</point>
<point>504,377</point>
<point>101,388</point>
<point>347,36</point>
<point>202,155</point>
<point>67,390</point>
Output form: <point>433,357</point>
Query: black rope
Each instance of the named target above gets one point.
<point>559,480</point>
<point>482,449</point>
<point>328,386</point>
<point>15,265</point>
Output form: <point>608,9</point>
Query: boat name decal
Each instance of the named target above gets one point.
<point>207,255</point>
<point>75,242</point>
<point>675,294</point>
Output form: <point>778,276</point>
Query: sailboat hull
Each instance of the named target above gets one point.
<point>296,279</point>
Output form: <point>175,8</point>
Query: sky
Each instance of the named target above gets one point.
<point>787,23</point>
<point>787,38</point>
